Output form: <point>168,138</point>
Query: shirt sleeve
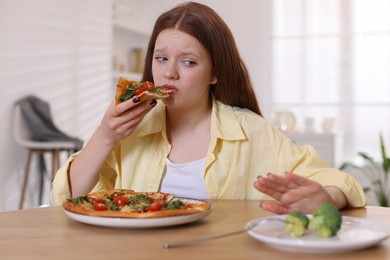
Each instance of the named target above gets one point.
<point>61,190</point>
<point>60,187</point>
<point>305,161</point>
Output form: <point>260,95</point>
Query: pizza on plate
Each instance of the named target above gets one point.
<point>125,203</point>
<point>127,89</point>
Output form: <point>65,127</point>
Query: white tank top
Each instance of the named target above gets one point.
<point>185,179</point>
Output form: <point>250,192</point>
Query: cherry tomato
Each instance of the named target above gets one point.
<point>100,206</point>
<point>145,86</point>
<point>140,90</point>
<point>97,200</point>
<point>117,194</point>
<point>120,200</point>
<point>149,84</point>
<point>155,206</point>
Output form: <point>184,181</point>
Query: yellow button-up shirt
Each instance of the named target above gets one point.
<point>243,146</point>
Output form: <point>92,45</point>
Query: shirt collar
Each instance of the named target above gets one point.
<point>224,123</point>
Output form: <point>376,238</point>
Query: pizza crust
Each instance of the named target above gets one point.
<point>100,194</point>
<point>121,87</point>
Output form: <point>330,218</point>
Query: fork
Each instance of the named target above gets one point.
<point>203,239</point>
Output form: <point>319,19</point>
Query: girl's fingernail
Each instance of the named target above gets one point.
<point>136,100</point>
<point>152,102</point>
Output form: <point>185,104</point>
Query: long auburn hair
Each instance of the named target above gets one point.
<point>234,86</point>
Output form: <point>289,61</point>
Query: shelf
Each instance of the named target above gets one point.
<point>130,16</point>
<point>131,32</point>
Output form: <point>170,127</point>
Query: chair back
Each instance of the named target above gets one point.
<point>21,133</point>
<point>34,126</point>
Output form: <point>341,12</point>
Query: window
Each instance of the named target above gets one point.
<point>331,59</point>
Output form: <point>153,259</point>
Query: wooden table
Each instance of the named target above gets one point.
<point>47,233</point>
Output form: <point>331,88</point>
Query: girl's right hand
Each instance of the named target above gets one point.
<point>119,121</point>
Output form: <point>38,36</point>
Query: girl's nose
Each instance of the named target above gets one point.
<point>171,73</point>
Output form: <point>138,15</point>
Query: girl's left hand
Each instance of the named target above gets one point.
<point>296,193</point>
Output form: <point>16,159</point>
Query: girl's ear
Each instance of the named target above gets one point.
<point>213,79</point>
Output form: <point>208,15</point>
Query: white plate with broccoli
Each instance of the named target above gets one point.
<point>354,234</point>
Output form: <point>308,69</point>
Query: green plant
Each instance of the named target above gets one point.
<point>378,176</point>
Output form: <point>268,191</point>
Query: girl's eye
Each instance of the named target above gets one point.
<point>160,58</point>
<point>189,62</point>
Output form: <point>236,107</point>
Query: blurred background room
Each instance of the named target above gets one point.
<point>320,69</point>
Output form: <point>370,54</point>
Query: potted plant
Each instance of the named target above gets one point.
<point>378,174</point>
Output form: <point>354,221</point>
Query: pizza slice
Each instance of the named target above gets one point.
<point>127,89</point>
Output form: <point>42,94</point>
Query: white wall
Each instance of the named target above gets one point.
<point>60,50</point>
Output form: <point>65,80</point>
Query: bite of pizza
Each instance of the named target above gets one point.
<point>127,89</point>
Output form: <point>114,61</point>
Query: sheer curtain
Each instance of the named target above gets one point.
<point>331,59</point>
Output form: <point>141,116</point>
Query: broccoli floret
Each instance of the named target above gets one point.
<point>296,224</point>
<point>326,220</point>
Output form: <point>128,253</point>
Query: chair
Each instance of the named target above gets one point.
<point>24,136</point>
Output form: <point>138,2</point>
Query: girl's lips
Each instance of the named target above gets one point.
<point>170,88</point>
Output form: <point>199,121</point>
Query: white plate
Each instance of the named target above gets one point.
<point>355,234</point>
<point>138,222</point>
